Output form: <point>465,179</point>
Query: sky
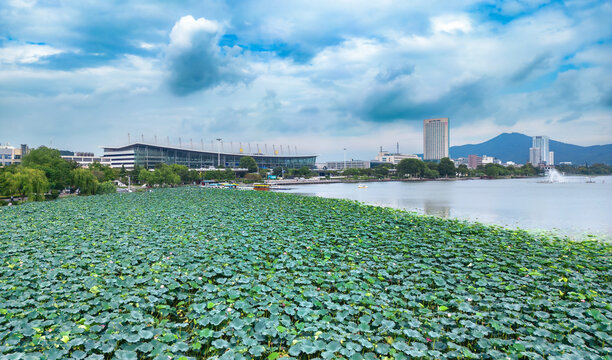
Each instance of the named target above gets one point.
<point>321,76</point>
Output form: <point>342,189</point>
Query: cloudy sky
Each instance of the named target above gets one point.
<point>319,75</point>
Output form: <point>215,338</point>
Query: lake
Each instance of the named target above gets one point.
<point>574,208</point>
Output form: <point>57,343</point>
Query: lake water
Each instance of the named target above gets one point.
<point>574,208</point>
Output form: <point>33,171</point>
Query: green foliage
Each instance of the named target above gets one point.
<point>595,169</point>
<point>248,163</point>
<point>447,168</point>
<point>194,273</point>
<point>277,171</point>
<point>412,167</point>
<point>220,175</point>
<point>48,160</point>
<point>85,181</point>
<point>106,187</point>
<point>25,182</point>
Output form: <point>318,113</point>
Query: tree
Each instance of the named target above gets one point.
<point>182,171</point>
<point>25,182</point>
<point>463,170</point>
<point>277,171</point>
<point>85,181</point>
<point>163,174</point>
<point>412,167</point>
<point>145,177</point>
<point>57,170</point>
<point>382,170</point>
<point>447,167</point>
<point>106,187</point>
<point>249,163</point>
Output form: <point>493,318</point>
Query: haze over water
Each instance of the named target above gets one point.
<point>574,208</point>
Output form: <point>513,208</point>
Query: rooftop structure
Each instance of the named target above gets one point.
<point>149,155</point>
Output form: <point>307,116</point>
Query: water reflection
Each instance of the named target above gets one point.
<point>436,209</point>
<point>572,208</point>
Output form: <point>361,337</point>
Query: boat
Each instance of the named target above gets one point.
<point>361,186</point>
<point>590,180</point>
<point>261,187</point>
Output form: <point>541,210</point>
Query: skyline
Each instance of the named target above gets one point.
<point>347,75</point>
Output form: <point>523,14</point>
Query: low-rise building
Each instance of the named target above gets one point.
<point>11,155</point>
<point>394,158</point>
<point>349,164</point>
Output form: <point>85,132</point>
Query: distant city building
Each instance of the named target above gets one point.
<point>565,163</point>
<point>487,160</point>
<point>535,156</point>
<point>393,158</point>
<point>435,139</point>
<point>461,161</point>
<point>84,159</point>
<point>350,164</point>
<point>10,155</point>
<point>551,158</point>
<point>539,153</point>
<point>474,161</point>
<point>149,155</point>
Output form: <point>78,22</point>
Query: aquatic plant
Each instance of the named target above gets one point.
<point>194,273</point>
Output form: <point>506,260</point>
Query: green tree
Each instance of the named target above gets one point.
<point>25,182</point>
<point>163,175</point>
<point>277,171</point>
<point>463,170</point>
<point>85,181</point>
<point>182,171</point>
<point>145,177</point>
<point>412,167</point>
<point>248,163</point>
<point>447,167</point>
<point>382,170</point>
<point>57,170</point>
<point>229,174</point>
<point>106,187</point>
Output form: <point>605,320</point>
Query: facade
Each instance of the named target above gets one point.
<point>474,161</point>
<point>350,164</point>
<point>10,155</point>
<point>84,159</point>
<point>149,155</point>
<point>393,158</point>
<point>435,139</point>
<point>551,158</point>
<point>487,160</point>
<point>539,152</point>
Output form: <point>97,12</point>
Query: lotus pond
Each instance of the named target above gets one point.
<point>192,273</point>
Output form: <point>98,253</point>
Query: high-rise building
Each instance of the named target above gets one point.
<point>435,139</point>
<point>551,158</point>
<point>539,152</point>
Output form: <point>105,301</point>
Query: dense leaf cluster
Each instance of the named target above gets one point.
<point>194,273</point>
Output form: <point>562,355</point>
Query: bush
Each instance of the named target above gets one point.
<point>54,194</point>
<point>106,187</point>
<point>252,177</point>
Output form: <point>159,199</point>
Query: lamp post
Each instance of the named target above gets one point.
<point>344,168</point>
<point>219,153</point>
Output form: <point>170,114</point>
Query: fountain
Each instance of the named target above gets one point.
<point>553,176</point>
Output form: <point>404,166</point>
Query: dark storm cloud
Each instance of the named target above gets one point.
<point>541,62</point>
<point>398,103</point>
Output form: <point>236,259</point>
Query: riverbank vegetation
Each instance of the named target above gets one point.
<point>192,273</point>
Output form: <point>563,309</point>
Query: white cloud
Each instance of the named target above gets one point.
<point>187,29</point>
<point>451,24</point>
<point>26,54</point>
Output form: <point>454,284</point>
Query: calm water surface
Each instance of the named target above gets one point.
<point>574,208</point>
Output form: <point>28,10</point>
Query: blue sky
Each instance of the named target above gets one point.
<point>319,75</point>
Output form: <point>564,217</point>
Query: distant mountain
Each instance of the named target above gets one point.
<point>515,147</point>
